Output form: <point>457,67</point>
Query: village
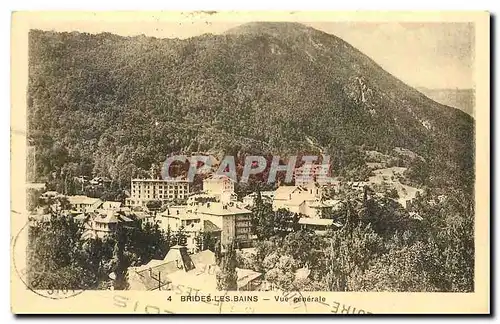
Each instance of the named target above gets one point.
<point>216,211</point>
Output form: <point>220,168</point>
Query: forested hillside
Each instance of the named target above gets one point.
<point>111,106</point>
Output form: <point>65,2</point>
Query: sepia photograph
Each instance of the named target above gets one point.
<point>237,163</point>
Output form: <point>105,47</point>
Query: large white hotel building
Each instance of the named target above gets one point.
<point>144,190</point>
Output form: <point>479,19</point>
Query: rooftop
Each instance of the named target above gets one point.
<point>208,226</point>
<point>111,216</point>
<point>179,213</point>
<point>315,221</point>
<point>162,180</point>
<point>284,192</point>
<point>195,279</point>
<point>107,217</point>
<point>154,274</point>
<point>269,194</point>
<point>220,209</point>
<point>143,215</point>
<point>245,276</point>
<point>76,200</point>
<point>200,196</point>
<point>219,177</point>
<point>173,270</point>
<point>111,204</point>
<point>205,257</point>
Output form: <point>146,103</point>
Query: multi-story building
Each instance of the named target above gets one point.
<point>227,221</point>
<point>243,222</point>
<point>233,220</point>
<point>314,173</point>
<point>294,198</point>
<point>221,187</point>
<point>308,201</point>
<point>83,204</point>
<point>175,218</point>
<point>144,190</point>
<point>103,222</point>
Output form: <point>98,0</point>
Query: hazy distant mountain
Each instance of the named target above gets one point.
<point>120,103</point>
<point>463,99</point>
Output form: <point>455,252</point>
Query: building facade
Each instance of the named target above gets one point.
<point>309,202</point>
<point>83,204</point>
<point>144,190</point>
<point>221,187</point>
<point>102,222</point>
<point>233,220</point>
<point>297,198</point>
<point>314,173</point>
<point>227,221</point>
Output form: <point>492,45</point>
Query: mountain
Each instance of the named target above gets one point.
<point>463,99</point>
<point>113,105</point>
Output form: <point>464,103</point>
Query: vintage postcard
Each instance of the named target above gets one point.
<point>250,162</point>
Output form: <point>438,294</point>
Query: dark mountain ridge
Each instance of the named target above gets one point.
<point>121,103</point>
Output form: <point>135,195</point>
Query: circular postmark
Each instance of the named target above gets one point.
<point>30,277</point>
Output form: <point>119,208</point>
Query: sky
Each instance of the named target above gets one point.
<point>434,55</point>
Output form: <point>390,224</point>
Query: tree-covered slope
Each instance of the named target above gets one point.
<point>113,105</point>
